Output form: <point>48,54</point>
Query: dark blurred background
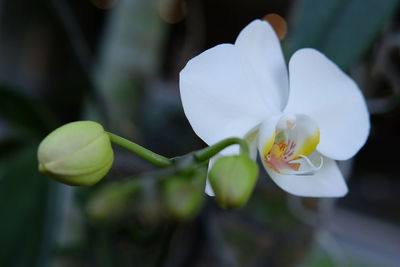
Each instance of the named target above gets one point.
<point>117,62</point>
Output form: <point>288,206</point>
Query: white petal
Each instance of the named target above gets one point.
<point>251,138</point>
<point>321,90</point>
<point>262,50</point>
<point>209,191</point>
<point>219,95</point>
<point>327,182</point>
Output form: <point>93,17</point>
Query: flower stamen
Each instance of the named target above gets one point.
<point>291,146</point>
<point>280,156</point>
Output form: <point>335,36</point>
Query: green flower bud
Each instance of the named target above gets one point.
<point>232,179</point>
<point>77,153</point>
<point>111,201</point>
<point>184,195</point>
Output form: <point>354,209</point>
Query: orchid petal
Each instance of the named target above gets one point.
<point>327,182</point>
<point>318,88</point>
<point>209,191</point>
<point>219,96</point>
<point>251,138</point>
<point>260,47</point>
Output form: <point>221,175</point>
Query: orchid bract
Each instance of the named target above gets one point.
<point>300,118</point>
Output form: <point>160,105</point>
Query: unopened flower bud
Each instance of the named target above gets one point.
<point>233,178</point>
<point>77,153</point>
<point>111,201</point>
<point>184,195</point>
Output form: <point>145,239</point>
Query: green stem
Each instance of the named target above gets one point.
<point>142,152</point>
<point>210,151</point>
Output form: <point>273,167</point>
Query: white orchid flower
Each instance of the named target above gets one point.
<point>301,122</point>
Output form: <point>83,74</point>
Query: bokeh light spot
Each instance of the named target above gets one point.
<point>278,23</point>
<point>172,11</point>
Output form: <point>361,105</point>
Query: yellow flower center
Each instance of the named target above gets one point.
<point>286,152</point>
<point>279,157</point>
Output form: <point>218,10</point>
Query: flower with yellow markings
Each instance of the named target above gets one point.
<point>299,123</point>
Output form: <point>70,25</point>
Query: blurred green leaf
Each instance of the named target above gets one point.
<point>129,57</point>
<point>24,113</point>
<point>342,29</point>
<point>23,193</point>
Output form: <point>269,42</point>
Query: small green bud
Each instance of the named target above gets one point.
<point>77,153</point>
<point>232,179</point>
<point>184,195</point>
<point>111,201</point>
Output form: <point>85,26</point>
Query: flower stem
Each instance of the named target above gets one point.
<point>142,152</point>
<point>208,152</point>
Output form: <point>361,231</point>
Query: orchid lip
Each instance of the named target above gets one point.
<point>313,169</point>
<point>286,151</point>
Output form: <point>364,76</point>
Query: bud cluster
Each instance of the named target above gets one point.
<point>80,154</point>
